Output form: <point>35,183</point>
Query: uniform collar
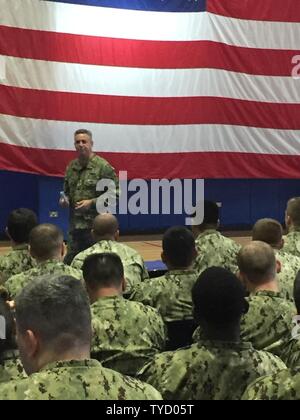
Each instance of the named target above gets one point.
<point>269,293</point>
<point>241,345</point>
<point>88,166</point>
<point>9,355</point>
<point>20,247</point>
<point>180,272</point>
<point>72,364</point>
<point>207,232</point>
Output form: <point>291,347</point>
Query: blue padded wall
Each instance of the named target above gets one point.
<point>243,201</point>
<point>16,190</point>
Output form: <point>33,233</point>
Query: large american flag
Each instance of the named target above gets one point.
<point>169,88</point>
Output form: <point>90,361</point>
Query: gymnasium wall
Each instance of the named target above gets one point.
<point>243,201</point>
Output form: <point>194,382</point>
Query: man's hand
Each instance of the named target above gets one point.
<point>83,205</point>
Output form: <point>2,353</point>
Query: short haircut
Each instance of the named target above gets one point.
<point>211,213</point>
<point>218,297</point>
<point>105,224</point>
<point>58,309</point>
<point>267,230</point>
<point>297,292</point>
<point>178,245</point>
<point>20,223</point>
<point>9,342</point>
<point>103,270</point>
<point>293,210</point>
<point>83,131</point>
<point>257,261</point>
<point>45,241</point>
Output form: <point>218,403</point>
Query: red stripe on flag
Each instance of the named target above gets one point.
<point>64,106</point>
<point>50,46</point>
<point>268,10</point>
<point>188,165</point>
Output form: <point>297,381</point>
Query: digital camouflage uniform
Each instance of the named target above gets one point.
<point>268,322</point>
<point>16,261</point>
<point>126,335</point>
<point>284,385</point>
<point>290,265</point>
<point>78,380</point>
<point>209,370</point>
<point>11,367</point>
<point>292,242</point>
<point>291,353</point>
<point>134,267</point>
<point>80,184</point>
<point>170,294</point>
<point>16,283</point>
<point>216,250</point>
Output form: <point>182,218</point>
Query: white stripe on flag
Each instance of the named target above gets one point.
<point>131,24</point>
<point>124,81</point>
<point>58,135</point>
<point>2,68</point>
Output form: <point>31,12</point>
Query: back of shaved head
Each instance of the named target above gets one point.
<point>293,210</point>
<point>45,241</point>
<point>105,226</point>
<point>257,262</point>
<point>267,230</point>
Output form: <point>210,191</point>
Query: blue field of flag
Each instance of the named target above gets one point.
<point>147,5</point>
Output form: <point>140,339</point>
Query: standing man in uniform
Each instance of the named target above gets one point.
<point>82,176</point>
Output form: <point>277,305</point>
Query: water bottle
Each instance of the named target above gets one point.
<point>63,199</point>
<point>62,195</point>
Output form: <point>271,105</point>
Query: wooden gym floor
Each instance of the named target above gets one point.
<point>149,246</point>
